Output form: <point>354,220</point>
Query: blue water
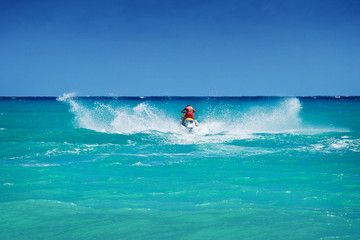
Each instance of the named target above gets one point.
<point>124,168</point>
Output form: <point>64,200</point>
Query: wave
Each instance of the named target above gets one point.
<point>219,123</point>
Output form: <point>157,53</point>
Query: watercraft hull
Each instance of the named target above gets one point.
<point>189,123</point>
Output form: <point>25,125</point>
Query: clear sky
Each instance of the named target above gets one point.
<point>179,47</point>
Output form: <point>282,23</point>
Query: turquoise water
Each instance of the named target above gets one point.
<point>123,168</point>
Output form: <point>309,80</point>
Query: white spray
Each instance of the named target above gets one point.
<point>145,118</point>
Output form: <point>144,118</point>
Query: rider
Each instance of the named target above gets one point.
<point>189,112</point>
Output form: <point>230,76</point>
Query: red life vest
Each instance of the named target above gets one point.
<point>189,115</point>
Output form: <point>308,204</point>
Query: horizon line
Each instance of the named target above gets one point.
<point>178,96</point>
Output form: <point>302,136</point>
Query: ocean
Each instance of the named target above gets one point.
<point>124,168</point>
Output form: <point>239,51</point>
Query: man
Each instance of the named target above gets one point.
<point>189,112</point>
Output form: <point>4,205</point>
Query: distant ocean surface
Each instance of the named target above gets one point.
<point>124,168</point>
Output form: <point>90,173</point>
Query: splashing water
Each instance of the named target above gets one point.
<point>142,118</point>
<point>122,119</point>
<point>282,117</point>
<point>228,124</point>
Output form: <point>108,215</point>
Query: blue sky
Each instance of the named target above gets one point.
<point>180,47</point>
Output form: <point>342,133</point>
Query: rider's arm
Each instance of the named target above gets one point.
<point>183,111</point>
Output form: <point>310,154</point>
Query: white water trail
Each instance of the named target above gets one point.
<point>232,124</point>
<point>102,117</point>
<point>278,118</point>
<point>85,117</point>
<point>143,118</point>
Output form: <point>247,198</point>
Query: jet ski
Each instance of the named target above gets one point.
<point>188,123</point>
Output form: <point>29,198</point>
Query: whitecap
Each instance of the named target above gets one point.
<point>8,184</point>
<point>41,165</point>
<point>141,164</point>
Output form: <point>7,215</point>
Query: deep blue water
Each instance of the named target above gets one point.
<point>124,168</point>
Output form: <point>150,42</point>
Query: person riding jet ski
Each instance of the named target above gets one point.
<point>188,119</point>
<point>189,112</point>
